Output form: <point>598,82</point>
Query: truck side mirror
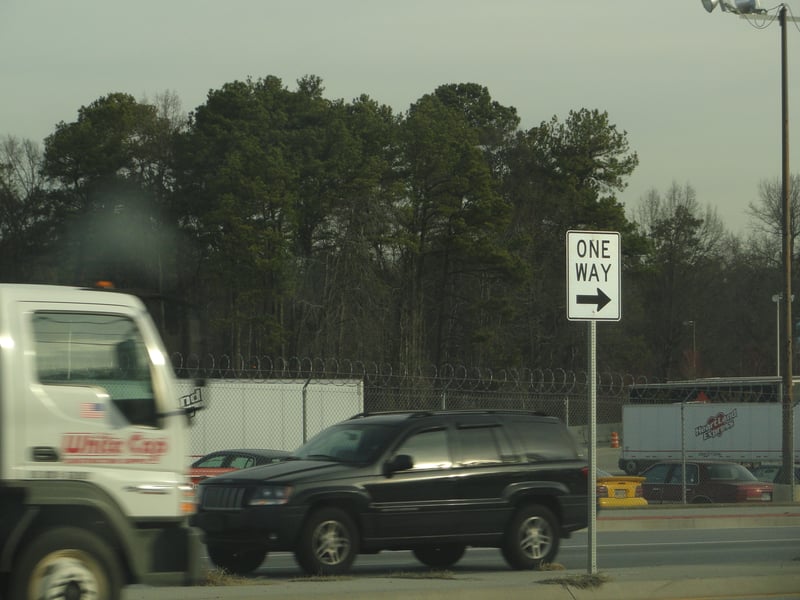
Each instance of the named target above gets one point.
<point>193,401</point>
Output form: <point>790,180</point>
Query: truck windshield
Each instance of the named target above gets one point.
<point>98,350</point>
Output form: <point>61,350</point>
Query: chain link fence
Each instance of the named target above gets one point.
<point>556,392</point>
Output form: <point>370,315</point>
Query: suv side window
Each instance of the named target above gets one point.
<point>483,445</point>
<point>543,440</point>
<point>428,449</point>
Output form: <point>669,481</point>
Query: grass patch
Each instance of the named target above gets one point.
<point>220,577</point>
<point>322,578</point>
<point>424,575</point>
<point>583,582</point>
<point>552,567</point>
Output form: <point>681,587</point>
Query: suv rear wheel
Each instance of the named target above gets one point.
<point>328,543</point>
<point>439,556</point>
<point>531,539</point>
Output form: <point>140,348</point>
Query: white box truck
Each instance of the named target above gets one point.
<point>744,432</point>
<point>93,448</point>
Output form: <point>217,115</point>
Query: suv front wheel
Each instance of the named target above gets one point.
<point>328,543</point>
<point>531,539</point>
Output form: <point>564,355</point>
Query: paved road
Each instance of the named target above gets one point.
<point>755,579</point>
<point>755,582</point>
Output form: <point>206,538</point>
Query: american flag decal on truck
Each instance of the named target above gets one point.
<point>92,410</point>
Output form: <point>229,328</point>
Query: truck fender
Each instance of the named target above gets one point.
<point>47,504</point>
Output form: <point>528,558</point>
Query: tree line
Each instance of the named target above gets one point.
<point>302,226</point>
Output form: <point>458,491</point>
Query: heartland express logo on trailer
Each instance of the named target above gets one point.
<point>94,448</point>
<point>716,425</point>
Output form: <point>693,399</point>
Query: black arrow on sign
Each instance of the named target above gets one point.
<point>600,299</point>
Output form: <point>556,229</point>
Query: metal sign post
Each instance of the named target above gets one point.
<point>592,565</point>
<point>593,294</point>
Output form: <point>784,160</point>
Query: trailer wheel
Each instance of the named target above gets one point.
<point>69,563</point>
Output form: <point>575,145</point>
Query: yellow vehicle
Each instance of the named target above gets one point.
<point>619,491</point>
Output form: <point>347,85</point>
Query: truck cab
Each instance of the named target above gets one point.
<point>93,443</point>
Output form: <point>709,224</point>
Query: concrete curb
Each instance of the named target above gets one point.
<point>698,517</point>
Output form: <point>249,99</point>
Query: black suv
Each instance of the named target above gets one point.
<point>430,482</point>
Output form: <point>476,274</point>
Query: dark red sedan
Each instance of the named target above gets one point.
<point>225,461</point>
<point>705,481</point>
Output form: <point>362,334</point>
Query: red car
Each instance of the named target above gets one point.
<point>225,461</point>
<point>706,481</point>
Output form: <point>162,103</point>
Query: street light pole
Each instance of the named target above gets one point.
<point>776,298</point>
<point>788,393</point>
<point>745,8</point>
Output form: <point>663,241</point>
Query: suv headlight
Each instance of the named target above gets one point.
<point>268,495</point>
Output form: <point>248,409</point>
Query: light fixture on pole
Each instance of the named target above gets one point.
<point>745,8</point>
<point>739,7</point>
<point>777,299</point>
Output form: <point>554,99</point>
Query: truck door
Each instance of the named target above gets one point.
<point>95,388</point>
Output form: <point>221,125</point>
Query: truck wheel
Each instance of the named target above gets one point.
<point>328,543</point>
<point>440,557</point>
<point>631,468</point>
<point>236,559</point>
<point>69,563</point>
<point>531,539</point>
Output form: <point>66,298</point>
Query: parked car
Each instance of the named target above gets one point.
<point>774,473</point>
<point>430,482</point>
<point>618,491</point>
<point>225,461</point>
<point>706,481</point>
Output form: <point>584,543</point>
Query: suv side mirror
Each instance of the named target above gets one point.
<point>400,462</point>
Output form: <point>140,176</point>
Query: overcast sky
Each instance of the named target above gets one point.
<point>697,93</point>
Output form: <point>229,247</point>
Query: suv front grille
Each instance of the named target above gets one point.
<point>217,497</point>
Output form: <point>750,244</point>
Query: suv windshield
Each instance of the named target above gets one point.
<point>347,442</point>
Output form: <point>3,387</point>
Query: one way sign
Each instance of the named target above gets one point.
<point>594,289</point>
